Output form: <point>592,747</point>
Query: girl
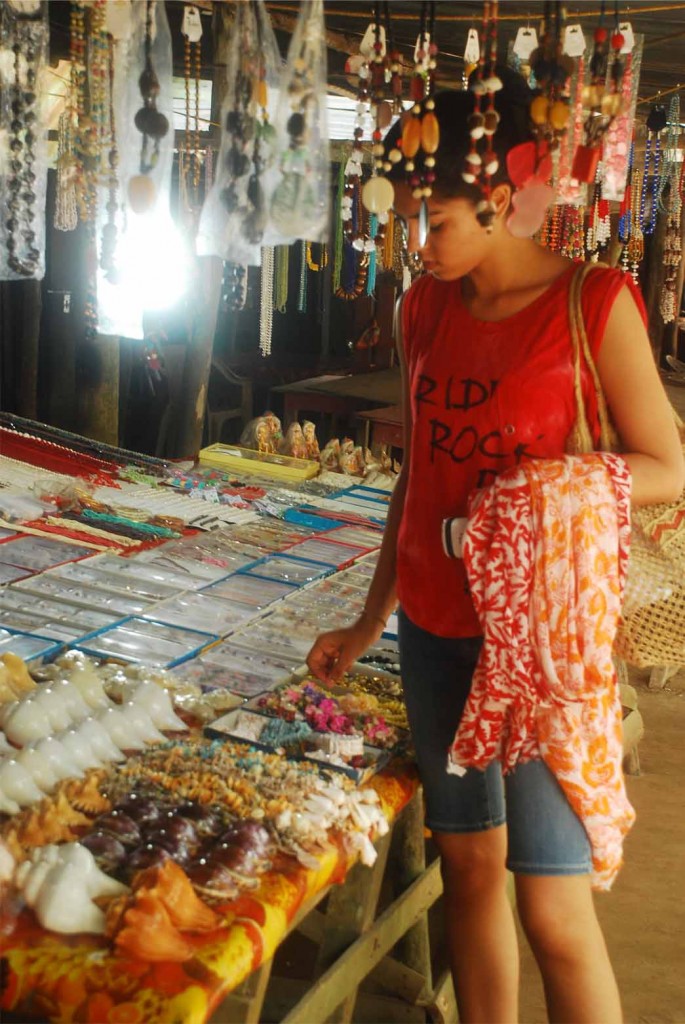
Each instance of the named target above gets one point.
<point>487,382</point>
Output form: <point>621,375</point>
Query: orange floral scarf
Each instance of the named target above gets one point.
<point>546,551</point>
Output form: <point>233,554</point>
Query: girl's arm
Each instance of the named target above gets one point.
<point>639,406</point>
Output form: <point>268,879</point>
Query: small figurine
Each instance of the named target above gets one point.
<point>330,456</point>
<point>275,429</point>
<point>294,443</point>
<point>309,432</point>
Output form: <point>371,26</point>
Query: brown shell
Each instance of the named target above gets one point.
<point>171,886</point>
<point>148,934</point>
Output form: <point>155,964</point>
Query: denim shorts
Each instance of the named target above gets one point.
<point>545,836</point>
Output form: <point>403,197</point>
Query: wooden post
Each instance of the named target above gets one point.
<point>98,390</point>
<point>209,272</point>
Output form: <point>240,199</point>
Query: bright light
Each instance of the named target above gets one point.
<point>153,266</point>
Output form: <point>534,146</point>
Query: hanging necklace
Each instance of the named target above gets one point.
<point>479,168</point>
<point>109,230</point>
<point>668,300</point>
<point>302,289</point>
<point>234,286</point>
<point>266,306</point>
<point>66,214</point>
<point>23,254</point>
<point>323,258</point>
<point>636,247</point>
<point>421,133</point>
<point>656,122</point>
<point>151,123</point>
<point>280,299</point>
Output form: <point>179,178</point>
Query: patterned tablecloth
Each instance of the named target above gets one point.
<point>79,979</point>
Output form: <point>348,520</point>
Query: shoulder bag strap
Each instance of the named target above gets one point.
<point>580,440</point>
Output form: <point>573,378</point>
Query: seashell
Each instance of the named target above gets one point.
<point>58,757</point>
<point>5,746</point>
<point>86,796</point>
<point>89,685</point>
<point>75,703</point>
<point>26,723</point>
<point>52,704</point>
<point>81,752</point>
<point>157,702</point>
<point>139,720</point>
<point>109,851</point>
<point>143,811</point>
<point>39,768</point>
<point>95,734</point>
<point>16,784</point>
<point>205,819</point>
<point>97,882</point>
<point>171,886</point>
<point>14,670</point>
<point>120,729</point>
<point>63,904</point>
<point>31,878</point>
<point>172,829</point>
<point>119,825</point>
<point>147,856</point>
<point>148,934</point>
<point>7,863</point>
<point>8,806</point>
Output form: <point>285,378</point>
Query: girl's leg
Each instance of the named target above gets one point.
<point>480,925</point>
<point>559,919</point>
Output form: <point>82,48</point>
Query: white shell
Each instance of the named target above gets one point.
<point>74,701</point>
<point>5,746</point>
<point>61,762</point>
<point>52,704</point>
<point>120,730</point>
<point>97,882</point>
<point>16,784</point>
<point>63,904</point>
<point>30,878</point>
<point>95,734</point>
<point>8,806</point>
<point>141,721</point>
<point>7,864</point>
<point>26,723</point>
<point>39,768</point>
<point>157,703</point>
<point>86,679</point>
<point>79,749</point>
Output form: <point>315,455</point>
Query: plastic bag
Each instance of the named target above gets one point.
<point>30,33</point>
<point>234,222</point>
<point>299,206</point>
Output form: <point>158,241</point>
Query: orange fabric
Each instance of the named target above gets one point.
<point>546,552</point>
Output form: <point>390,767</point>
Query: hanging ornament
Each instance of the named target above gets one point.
<point>671,163</point>
<point>603,104</point>
<point>151,123</point>
<point>23,34</point>
<point>378,193</point>
<point>302,289</point>
<point>281,259</point>
<point>299,205</point>
<point>636,245</point>
<point>656,122</point>
<point>480,167</point>
<point>669,299</point>
<point>549,110</point>
<point>190,156</point>
<point>109,230</point>
<point>234,287</point>
<point>266,307</point>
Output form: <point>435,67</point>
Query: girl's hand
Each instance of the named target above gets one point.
<point>334,652</point>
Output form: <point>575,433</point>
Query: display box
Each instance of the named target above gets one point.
<point>246,460</point>
<point>148,642</point>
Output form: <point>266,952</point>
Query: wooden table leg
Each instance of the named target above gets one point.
<point>244,1005</point>
<point>351,911</point>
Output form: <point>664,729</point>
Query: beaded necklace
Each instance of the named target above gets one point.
<point>151,123</point>
<point>636,246</point>
<point>23,257</point>
<point>109,230</point>
<point>668,300</point>
<point>280,278</point>
<point>266,308</point>
<point>302,290</point>
<point>479,169</point>
<point>234,286</point>
<point>651,168</point>
<point>323,258</point>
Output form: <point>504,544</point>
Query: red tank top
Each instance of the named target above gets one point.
<point>484,396</point>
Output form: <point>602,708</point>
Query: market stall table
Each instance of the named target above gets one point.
<point>383,426</point>
<point>74,978</point>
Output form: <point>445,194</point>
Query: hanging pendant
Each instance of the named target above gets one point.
<point>424,226</point>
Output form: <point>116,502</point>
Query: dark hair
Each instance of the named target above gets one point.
<point>453,109</point>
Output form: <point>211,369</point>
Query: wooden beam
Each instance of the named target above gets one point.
<point>363,955</point>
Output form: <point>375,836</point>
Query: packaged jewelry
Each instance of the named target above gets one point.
<point>199,610</point>
<point>288,569</point>
<point>150,643</point>
<point>299,204</point>
<point>234,222</point>
<point>25,645</point>
<point>23,175</point>
<point>250,590</point>
<point>38,553</point>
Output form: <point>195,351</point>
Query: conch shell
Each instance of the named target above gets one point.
<point>17,785</point>
<point>157,702</point>
<point>148,934</point>
<point>38,767</point>
<point>14,676</point>
<point>170,884</point>
<point>63,904</point>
